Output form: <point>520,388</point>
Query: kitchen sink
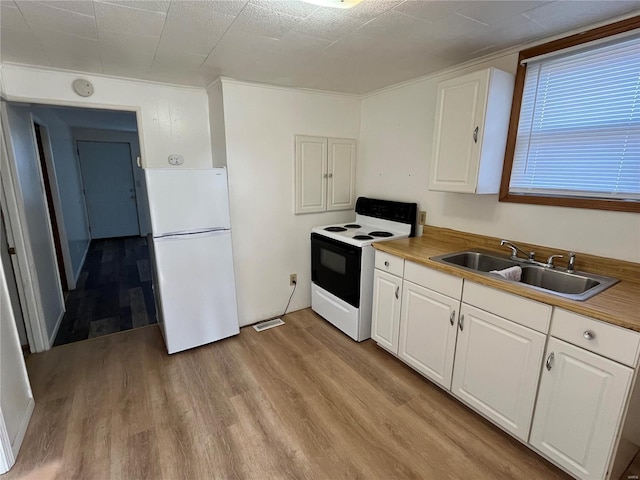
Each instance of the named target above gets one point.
<point>556,281</point>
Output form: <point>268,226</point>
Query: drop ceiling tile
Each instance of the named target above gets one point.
<point>83,7</point>
<point>128,41</point>
<point>454,26</point>
<point>430,11</point>
<point>264,21</point>
<point>70,52</point>
<point>329,24</point>
<point>394,25</point>
<point>10,17</point>
<point>513,31</point>
<point>295,8</point>
<point>299,44</point>
<point>567,15</point>
<point>373,8</point>
<point>168,61</point>
<point>125,62</point>
<point>59,20</point>
<point>194,27</point>
<point>21,46</point>
<point>160,6</point>
<point>120,19</point>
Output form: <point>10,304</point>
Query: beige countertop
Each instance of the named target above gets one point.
<point>618,305</point>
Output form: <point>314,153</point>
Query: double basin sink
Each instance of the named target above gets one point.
<point>556,281</point>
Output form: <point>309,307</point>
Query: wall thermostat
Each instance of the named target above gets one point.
<point>83,87</point>
<point>176,159</point>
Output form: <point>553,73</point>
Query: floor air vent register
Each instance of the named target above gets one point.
<point>262,326</point>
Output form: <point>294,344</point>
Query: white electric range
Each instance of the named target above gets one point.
<point>342,262</point>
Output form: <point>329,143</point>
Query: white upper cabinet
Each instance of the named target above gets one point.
<point>471,124</point>
<point>325,170</point>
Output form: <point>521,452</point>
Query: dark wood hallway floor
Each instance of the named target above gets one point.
<point>113,292</point>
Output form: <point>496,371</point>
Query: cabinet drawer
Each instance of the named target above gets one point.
<point>608,340</point>
<point>427,277</point>
<point>389,263</point>
<point>526,312</point>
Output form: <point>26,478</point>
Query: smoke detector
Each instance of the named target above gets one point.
<point>82,87</point>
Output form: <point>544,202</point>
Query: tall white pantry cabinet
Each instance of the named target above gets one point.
<point>470,132</point>
<point>325,174</point>
<point>574,402</point>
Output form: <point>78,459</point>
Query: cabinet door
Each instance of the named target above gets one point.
<point>579,407</point>
<point>460,113</point>
<point>497,366</point>
<point>387,290</point>
<point>311,174</point>
<point>341,174</point>
<point>428,331</point>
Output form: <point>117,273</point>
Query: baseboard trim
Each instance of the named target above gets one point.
<point>23,427</point>
<point>84,258</point>
<point>52,337</point>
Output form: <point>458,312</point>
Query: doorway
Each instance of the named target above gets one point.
<point>6,262</point>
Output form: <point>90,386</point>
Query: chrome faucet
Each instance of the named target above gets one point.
<point>531,256</point>
<point>550,260</point>
<point>572,262</point>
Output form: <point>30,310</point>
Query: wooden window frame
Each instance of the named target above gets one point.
<point>555,45</point>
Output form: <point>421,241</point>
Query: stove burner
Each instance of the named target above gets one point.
<point>336,229</point>
<point>352,225</point>
<point>381,234</point>
<point>362,237</point>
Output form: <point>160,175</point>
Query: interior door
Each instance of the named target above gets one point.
<point>110,192</point>
<point>7,266</point>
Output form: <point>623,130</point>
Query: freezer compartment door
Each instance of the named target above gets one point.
<point>187,200</point>
<point>197,293</point>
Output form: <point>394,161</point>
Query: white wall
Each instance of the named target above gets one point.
<point>395,152</point>
<point>16,399</point>
<point>68,178</point>
<point>269,241</point>
<point>171,119</point>
<point>101,135</point>
<point>35,219</point>
<point>216,119</point>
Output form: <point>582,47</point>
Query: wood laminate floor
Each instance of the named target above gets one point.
<point>113,293</point>
<point>300,401</point>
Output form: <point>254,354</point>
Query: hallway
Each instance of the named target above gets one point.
<point>113,292</point>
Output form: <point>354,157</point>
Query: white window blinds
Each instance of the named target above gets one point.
<point>579,129</point>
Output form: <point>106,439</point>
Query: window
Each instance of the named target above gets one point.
<point>574,137</point>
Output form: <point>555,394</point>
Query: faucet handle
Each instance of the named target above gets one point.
<point>532,256</point>
<point>550,260</point>
<point>571,267</point>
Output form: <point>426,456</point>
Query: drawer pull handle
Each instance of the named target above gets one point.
<point>549,360</point>
<point>589,335</point>
<point>397,292</point>
<point>386,264</point>
<point>452,316</point>
<point>475,135</point>
<point>461,322</point>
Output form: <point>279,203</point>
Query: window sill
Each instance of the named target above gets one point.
<point>573,202</point>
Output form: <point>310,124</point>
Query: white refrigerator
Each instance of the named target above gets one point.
<point>191,256</point>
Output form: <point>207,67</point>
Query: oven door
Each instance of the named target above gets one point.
<point>335,267</point>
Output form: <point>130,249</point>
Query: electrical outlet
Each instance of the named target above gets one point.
<point>422,217</point>
<point>293,279</point>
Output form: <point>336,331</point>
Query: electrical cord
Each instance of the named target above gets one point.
<point>295,284</point>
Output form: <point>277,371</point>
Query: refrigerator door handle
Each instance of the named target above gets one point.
<point>198,234</point>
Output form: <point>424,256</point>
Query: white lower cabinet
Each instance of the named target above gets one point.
<point>385,322</point>
<point>428,332</point>
<point>580,405</point>
<point>497,365</point>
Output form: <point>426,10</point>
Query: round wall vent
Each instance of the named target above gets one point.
<point>83,87</point>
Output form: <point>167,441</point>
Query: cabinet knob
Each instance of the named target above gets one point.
<point>451,317</point>
<point>475,135</point>
<point>589,335</point>
<point>386,263</point>
<point>331,175</point>
<point>549,360</point>
<point>326,175</point>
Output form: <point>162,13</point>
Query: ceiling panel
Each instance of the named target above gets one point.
<point>121,19</point>
<point>286,42</point>
<point>56,19</point>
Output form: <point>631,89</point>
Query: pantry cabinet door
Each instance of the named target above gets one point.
<point>387,293</point>
<point>497,366</point>
<point>580,404</point>
<point>428,330</point>
<point>341,186</point>
<point>310,174</point>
